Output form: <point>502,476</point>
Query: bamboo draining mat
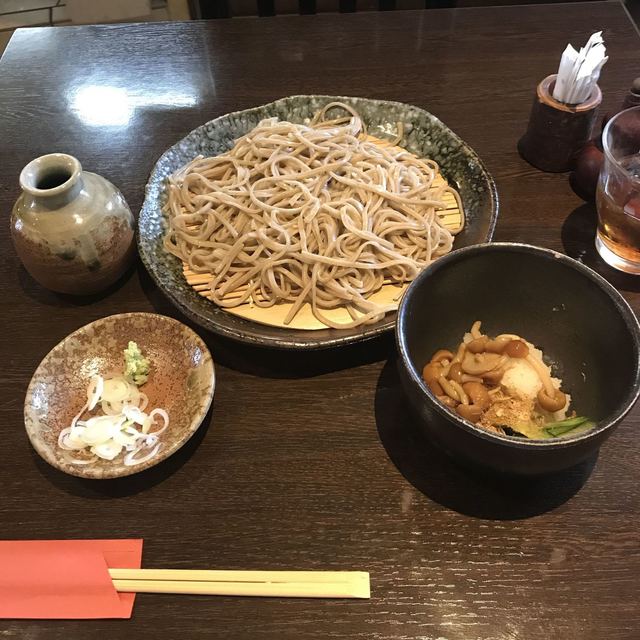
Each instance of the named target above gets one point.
<point>274,316</point>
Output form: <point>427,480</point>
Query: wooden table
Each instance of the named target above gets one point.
<point>312,461</point>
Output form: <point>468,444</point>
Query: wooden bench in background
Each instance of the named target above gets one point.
<point>239,8</point>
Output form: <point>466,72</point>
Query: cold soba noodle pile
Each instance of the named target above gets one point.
<point>313,213</point>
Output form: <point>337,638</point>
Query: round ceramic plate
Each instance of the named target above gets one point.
<point>181,381</point>
<point>424,135</point>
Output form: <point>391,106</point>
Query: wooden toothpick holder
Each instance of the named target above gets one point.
<point>557,131</point>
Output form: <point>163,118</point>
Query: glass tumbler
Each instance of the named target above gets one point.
<point>618,194</point>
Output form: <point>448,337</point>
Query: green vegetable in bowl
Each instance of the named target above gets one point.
<point>551,429</point>
<point>561,428</point>
<point>136,366</point>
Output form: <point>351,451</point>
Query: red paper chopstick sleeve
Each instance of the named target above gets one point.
<point>65,578</point>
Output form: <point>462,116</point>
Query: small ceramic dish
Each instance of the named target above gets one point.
<point>181,381</point>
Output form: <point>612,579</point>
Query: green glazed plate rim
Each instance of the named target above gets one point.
<point>459,163</point>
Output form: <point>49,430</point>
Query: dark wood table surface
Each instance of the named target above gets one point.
<point>313,461</point>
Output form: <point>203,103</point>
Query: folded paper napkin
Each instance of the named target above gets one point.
<point>65,578</point>
<point>579,71</point>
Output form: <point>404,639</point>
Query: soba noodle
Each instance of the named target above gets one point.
<point>314,213</point>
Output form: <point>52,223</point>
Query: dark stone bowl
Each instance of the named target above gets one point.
<point>577,318</point>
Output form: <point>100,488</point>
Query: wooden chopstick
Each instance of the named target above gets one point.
<point>264,589</point>
<point>283,584</point>
<point>217,575</point>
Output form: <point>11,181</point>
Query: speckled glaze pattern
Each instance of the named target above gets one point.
<point>181,381</point>
<point>424,135</point>
<point>77,238</point>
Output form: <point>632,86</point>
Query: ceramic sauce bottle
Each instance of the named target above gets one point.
<point>72,229</point>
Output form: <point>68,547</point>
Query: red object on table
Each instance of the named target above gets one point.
<point>65,578</point>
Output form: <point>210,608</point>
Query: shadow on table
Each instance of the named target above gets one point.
<point>471,492</point>
<point>45,296</point>
<point>268,362</point>
<point>129,485</point>
<point>578,234</point>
